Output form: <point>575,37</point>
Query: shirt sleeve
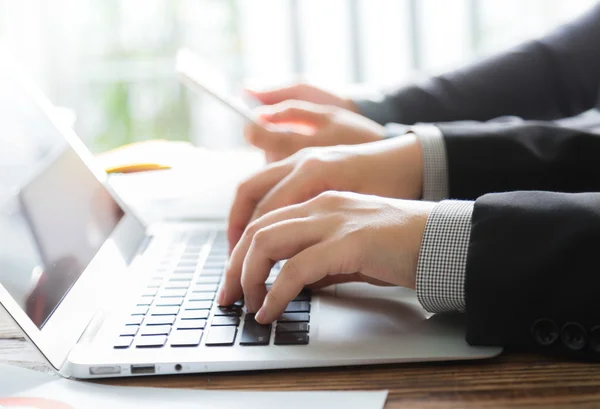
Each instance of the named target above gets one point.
<point>443,257</point>
<point>435,162</point>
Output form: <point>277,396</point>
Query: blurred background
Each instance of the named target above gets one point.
<point>112,61</point>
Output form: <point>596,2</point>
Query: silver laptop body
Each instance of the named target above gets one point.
<point>100,294</point>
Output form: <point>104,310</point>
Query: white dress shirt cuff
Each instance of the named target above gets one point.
<point>443,257</point>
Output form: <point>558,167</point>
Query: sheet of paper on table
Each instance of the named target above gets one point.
<point>201,185</point>
<point>25,388</point>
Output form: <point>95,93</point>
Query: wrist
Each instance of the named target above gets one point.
<point>408,166</point>
<point>411,228</point>
<point>393,168</point>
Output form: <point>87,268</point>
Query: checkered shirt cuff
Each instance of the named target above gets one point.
<point>435,162</point>
<point>443,257</point>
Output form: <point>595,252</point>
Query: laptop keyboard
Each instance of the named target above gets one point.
<point>177,308</point>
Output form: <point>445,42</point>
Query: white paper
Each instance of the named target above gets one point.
<point>17,385</point>
<point>200,186</point>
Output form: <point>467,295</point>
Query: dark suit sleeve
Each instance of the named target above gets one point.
<point>532,274</point>
<point>524,155</point>
<point>556,76</point>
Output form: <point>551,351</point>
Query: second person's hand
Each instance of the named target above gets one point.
<point>389,168</point>
<point>292,125</point>
<point>302,92</point>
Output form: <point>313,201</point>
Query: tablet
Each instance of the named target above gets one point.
<point>202,78</point>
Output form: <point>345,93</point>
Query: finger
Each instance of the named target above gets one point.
<point>275,140</point>
<point>307,267</point>
<point>231,290</point>
<point>277,95</point>
<point>296,187</point>
<point>276,242</point>
<point>248,195</point>
<point>295,112</point>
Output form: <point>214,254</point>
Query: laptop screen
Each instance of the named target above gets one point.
<point>54,213</point>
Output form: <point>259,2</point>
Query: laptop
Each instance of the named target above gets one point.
<point>101,294</point>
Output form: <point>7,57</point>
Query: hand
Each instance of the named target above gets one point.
<point>293,125</point>
<point>389,168</point>
<point>334,238</point>
<point>303,92</point>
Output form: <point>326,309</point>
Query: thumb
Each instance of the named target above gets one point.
<point>276,95</point>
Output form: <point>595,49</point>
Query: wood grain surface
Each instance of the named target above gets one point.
<point>509,381</point>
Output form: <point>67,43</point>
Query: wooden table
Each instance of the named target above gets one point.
<point>509,381</point>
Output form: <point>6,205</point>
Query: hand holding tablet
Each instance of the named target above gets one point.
<point>202,78</point>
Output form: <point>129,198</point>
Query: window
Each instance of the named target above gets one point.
<point>112,60</point>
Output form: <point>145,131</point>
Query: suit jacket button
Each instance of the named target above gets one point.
<point>544,331</point>
<point>574,336</point>
<point>595,339</point>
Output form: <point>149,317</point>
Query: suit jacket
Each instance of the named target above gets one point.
<point>533,273</point>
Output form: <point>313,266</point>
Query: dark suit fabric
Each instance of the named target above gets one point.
<point>556,76</point>
<point>533,265</point>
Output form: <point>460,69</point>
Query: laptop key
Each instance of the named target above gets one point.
<point>215,265</point>
<point>215,260</point>
<point>154,284</point>
<point>165,310</point>
<point>193,248</point>
<point>149,292</point>
<point>181,285</point>
<point>160,320</point>
<point>134,320</point>
<point>190,324</point>
<point>211,272</point>
<point>305,295</point>
<point>169,301</point>
<point>189,256</point>
<point>221,336</point>
<point>201,296</point>
<point>184,270</point>
<point>129,330</point>
<point>298,306</point>
<point>156,330</point>
<point>151,341</point>
<point>173,293</point>
<point>229,311</point>
<point>145,302</point>
<point>205,288</point>
<point>123,342</point>
<point>294,317</point>
<point>254,333</point>
<point>225,321</point>
<point>198,305</point>
<point>140,310</point>
<point>185,338</point>
<point>208,280</point>
<point>194,315</point>
<point>291,338</point>
<point>181,277</point>
<point>292,327</point>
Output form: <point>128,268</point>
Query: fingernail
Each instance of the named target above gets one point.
<point>221,297</point>
<point>260,315</point>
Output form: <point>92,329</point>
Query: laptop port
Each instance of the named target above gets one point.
<point>142,369</point>
<point>105,370</point>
